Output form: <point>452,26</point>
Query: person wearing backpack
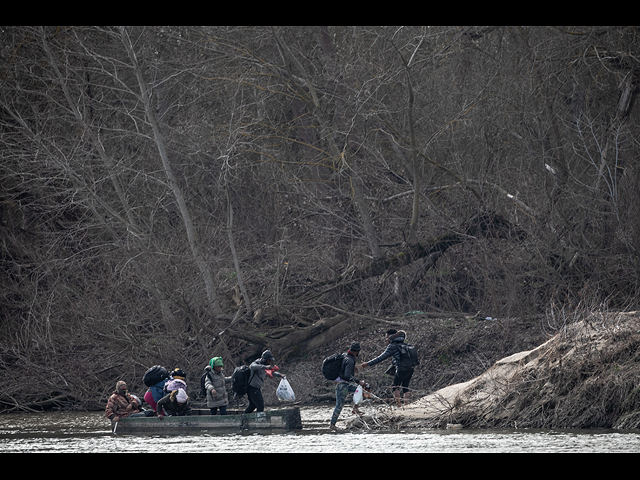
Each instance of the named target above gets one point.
<point>177,380</point>
<point>156,378</point>
<point>155,393</point>
<point>400,360</point>
<point>260,369</point>
<point>346,382</point>
<point>215,386</point>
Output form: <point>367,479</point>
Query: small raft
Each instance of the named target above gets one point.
<point>200,421</point>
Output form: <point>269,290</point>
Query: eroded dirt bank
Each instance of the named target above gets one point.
<point>452,350</point>
<point>586,376</point>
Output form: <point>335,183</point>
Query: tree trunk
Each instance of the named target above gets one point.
<point>141,239</point>
<point>483,224</point>
<point>342,156</point>
<point>300,340</point>
<point>175,187</point>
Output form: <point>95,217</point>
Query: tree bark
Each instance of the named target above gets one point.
<point>342,156</point>
<point>489,224</point>
<point>175,187</point>
<point>303,339</point>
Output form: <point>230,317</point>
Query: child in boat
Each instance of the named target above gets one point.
<point>176,381</point>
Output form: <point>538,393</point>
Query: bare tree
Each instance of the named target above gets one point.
<point>162,184</point>
<point>166,164</point>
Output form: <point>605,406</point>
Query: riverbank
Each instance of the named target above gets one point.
<point>452,350</point>
<point>586,376</point>
<point>537,372</point>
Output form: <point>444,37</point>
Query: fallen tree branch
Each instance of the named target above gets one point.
<point>482,224</point>
<point>297,340</point>
<point>10,404</point>
<point>328,329</point>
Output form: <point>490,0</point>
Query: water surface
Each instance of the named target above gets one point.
<point>90,433</point>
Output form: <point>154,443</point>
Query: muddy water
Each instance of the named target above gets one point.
<point>89,432</point>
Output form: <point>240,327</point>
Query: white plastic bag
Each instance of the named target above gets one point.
<point>357,395</point>
<point>285,392</point>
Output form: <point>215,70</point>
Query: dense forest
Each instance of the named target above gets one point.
<point>172,192</point>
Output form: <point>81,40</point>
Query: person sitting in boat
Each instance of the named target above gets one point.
<point>176,404</point>
<point>215,385</point>
<point>121,404</point>
<point>177,380</point>
<point>260,369</point>
<point>155,393</point>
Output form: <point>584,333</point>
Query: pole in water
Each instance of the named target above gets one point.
<point>114,427</point>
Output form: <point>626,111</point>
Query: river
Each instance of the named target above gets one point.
<point>90,433</point>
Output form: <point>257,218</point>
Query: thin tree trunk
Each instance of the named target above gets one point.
<point>205,271</point>
<point>130,222</point>
<point>342,156</point>
<point>236,263</point>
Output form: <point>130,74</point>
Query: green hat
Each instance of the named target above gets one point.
<point>215,362</point>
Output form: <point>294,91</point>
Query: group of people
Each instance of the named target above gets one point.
<point>166,397</point>
<point>169,397</point>
<point>347,382</point>
<point>216,383</point>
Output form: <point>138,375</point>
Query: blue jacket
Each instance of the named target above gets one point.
<point>157,390</point>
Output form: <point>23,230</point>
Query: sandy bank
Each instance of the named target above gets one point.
<point>587,376</point>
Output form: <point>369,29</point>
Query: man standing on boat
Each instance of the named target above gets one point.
<point>260,369</point>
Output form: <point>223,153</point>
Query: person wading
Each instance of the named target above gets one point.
<point>346,382</point>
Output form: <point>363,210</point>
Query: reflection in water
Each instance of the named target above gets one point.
<point>89,432</point>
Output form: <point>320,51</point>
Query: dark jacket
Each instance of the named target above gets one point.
<point>259,373</point>
<point>392,350</point>
<point>171,407</point>
<point>348,369</point>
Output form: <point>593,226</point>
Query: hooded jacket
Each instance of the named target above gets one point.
<point>348,369</point>
<point>392,350</point>
<point>217,382</point>
<point>120,406</point>
<point>259,371</point>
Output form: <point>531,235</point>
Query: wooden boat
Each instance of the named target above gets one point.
<point>200,421</point>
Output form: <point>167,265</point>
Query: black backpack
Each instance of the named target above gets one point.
<point>332,365</point>
<point>154,375</point>
<point>240,379</point>
<point>203,378</point>
<point>408,356</point>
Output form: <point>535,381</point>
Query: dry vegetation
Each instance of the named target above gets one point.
<point>168,194</point>
<point>586,376</point>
